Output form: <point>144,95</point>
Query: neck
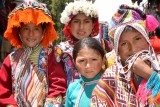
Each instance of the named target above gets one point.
<point>74,40</point>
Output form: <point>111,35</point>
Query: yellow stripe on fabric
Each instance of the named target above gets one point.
<point>36,90</point>
<point>31,84</point>
<point>35,54</point>
<point>103,95</point>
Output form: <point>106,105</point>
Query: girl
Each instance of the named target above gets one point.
<point>81,20</point>
<point>134,80</point>
<point>88,56</point>
<point>30,76</point>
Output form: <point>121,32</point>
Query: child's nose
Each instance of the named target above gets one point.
<point>88,65</point>
<point>133,49</point>
<point>31,33</point>
<point>81,25</point>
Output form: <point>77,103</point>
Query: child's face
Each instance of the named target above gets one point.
<point>130,43</point>
<point>88,62</point>
<point>81,26</point>
<point>30,34</point>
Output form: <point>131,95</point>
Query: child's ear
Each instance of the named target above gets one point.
<point>104,66</point>
<point>104,59</point>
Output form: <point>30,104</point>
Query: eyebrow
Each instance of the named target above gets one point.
<point>83,19</point>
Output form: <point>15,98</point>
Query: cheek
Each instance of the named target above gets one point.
<point>73,27</point>
<point>98,65</point>
<point>122,50</point>
<point>90,27</point>
<point>73,30</point>
<point>143,46</point>
<point>78,66</point>
<point>123,53</point>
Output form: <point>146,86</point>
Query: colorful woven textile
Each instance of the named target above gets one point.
<point>118,88</point>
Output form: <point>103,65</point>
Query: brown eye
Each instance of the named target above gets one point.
<point>94,59</point>
<point>87,21</point>
<point>75,21</point>
<point>138,38</point>
<point>123,43</point>
<point>81,60</point>
<point>25,28</point>
<point>36,28</point>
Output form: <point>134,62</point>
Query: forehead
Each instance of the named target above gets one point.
<point>86,51</point>
<point>81,16</point>
<point>29,24</point>
<point>130,34</point>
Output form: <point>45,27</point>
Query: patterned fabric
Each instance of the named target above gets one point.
<point>34,5</point>
<point>114,90</point>
<point>50,102</point>
<point>29,85</point>
<point>127,14</point>
<point>64,54</point>
<point>118,88</point>
<point>46,80</point>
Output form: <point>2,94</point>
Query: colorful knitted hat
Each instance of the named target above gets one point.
<point>27,12</point>
<point>126,14</point>
<point>72,9</point>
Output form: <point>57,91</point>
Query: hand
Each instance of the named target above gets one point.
<point>142,68</point>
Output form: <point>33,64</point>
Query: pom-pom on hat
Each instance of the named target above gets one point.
<point>127,14</point>
<point>27,12</point>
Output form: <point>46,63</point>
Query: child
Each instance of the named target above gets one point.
<point>88,56</point>
<point>81,20</point>
<point>134,80</point>
<point>30,76</point>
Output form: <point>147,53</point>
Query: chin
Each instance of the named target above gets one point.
<point>89,77</point>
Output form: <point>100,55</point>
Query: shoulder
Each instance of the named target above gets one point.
<point>74,84</point>
<point>73,88</point>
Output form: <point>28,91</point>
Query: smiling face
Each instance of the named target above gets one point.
<point>130,43</point>
<point>81,26</point>
<point>31,35</point>
<point>88,62</point>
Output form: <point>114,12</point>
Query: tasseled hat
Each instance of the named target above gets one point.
<point>127,14</point>
<point>27,12</point>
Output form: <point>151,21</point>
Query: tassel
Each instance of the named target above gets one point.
<point>151,23</point>
<point>142,93</point>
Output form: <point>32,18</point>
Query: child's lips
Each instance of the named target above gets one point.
<point>89,71</point>
<point>30,40</point>
<point>81,33</point>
